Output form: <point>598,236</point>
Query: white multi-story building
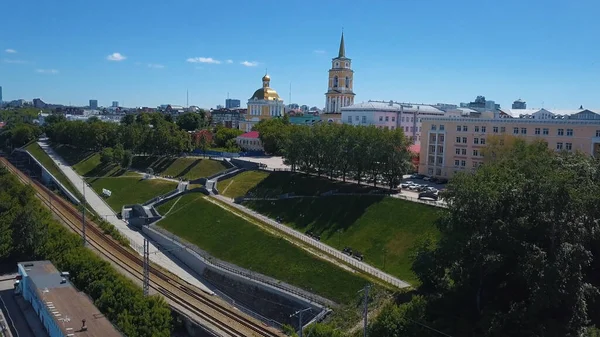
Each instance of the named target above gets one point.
<point>390,115</point>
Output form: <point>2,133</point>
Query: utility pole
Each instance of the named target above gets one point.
<point>83,217</point>
<point>366,311</point>
<point>146,281</point>
<point>299,313</point>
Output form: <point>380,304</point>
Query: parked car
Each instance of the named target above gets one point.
<point>347,251</point>
<point>358,256</point>
<point>429,195</point>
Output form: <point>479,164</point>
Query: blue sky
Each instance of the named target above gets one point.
<point>412,51</point>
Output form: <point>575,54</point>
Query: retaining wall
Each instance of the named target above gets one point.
<point>266,299</point>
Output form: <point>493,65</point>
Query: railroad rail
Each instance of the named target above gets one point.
<point>217,315</point>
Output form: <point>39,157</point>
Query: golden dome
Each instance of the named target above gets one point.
<point>266,94</point>
<point>266,78</point>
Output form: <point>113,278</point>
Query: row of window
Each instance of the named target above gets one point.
<point>463,163</point>
<point>516,130</point>
<point>546,131</point>
<point>463,152</point>
<point>465,128</point>
<point>477,141</point>
<point>387,118</point>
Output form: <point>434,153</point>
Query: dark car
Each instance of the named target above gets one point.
<point>347,251</point>
<point>429,194</point>
<point>358,256</point>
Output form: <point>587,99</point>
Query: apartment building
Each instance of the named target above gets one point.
<point>450,145</point>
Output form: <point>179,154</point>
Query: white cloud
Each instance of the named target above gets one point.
<point>15,61</point>
<point>47,71</point>
<point>229,61</point>
<point>116,57</point>
<point>155,66</point>
<point>319,51</point>
<point>203,60</point>
<point>249,63</point>
<point>10,51</point>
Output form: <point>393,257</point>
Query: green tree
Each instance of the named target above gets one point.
<point>128,119</point>
<point>402,321</point>
<point>516,246</point>
<point>223,135</point>
<point>118,154</point>
<point>107,156</point>
<point>127,159</point>
<point>189,121</point>
<point>272,133</point>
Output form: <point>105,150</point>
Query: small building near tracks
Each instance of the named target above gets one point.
<point>62,309</point>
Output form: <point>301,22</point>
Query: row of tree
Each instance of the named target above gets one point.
<point>345,151</point>
<point>518,254</point>
<point>28,232</point>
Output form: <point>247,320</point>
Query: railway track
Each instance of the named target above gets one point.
<point>216,315</point>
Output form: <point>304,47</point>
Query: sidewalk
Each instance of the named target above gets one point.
<point>136,239</point>
<point>319,245</point>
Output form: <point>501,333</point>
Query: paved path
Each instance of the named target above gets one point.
<point>319,245</point>
<point>101,207</point>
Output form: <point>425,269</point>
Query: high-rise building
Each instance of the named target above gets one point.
<point>339,89</point>
<point>115,104</point>
<point>519,104</point>
<point>231,103</point>
<point>93,104</point>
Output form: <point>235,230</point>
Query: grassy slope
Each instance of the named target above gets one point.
<point>240,184</point>
<point>49,164</point>
<point>188,168</point>
<point>130,190</point>
<point>379,227</point>
<point>231,238</point>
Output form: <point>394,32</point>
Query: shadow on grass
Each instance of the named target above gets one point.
<point>189,168</point>
<point>324,216</point>
<point>303,184</point>
<point>157,164</point>
<point>71,154</point>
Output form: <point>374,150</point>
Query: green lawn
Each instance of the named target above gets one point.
<point>379,227</point>
<point>130,190</point>
<point>49,164</point>
<point>188,168</point>
<point>165,207</point>
<point>72,155</point>
<point>233,239</point>
<point>265,184</point>
<point>240,184</point>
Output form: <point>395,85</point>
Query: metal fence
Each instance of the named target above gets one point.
<point>211,260</point>
<point>323,247</point>
<point>436,203</point>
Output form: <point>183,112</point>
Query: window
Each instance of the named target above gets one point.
<point>432,138</point>
<point>440,138</point>
<point>387,119</point>
<point>381,118</point>
<point>463,163</point>
<point>431,160</point>
<point>419,127</point>
<point>433,127</point>
<point>502,129</point>
<point>545,131</point>
<point>457,151</point>
<point>537,131</point>
<point>475,140</point>
<point>476,128</point>
<point>483,129</point>
<point>441,127</point>
<point>458,139</point>
<point>440,160</point>
<point>482,141</point>
<point>335,81</point>
<point>438,172</point>
<point>337,64</point>
<point>559,146</point>
<point>393,119</point>
<point>346,64</point>
<point>464,140</point>
<point>569,132</point>
<point>597,133</point>
<point>463,152</point>
<point>347,80</point>
<point>465,129</point>
<point>406,129</point>
<point>475,153</point>
<point>349,119</point>
<point>516,131</point>
<point>458,128</point>
<point>440,149</point>
<point>456,162</point>
<point>568,146</point>
<point>495,129</point>
<point>411,119</point>
<point>474,164</point>
<point>431,148</point>
<point>523,131</point>
<point>364,119</point>
<point>411,128</point>
<point>561,132</point>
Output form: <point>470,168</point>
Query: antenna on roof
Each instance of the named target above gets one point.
<point>290,92</point>
<point>187,98</point>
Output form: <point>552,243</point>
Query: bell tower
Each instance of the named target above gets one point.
<point>341,82</point>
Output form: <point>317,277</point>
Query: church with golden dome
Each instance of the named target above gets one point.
<point>265,103</point>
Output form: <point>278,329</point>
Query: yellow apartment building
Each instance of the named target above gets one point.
<point>450,145</point>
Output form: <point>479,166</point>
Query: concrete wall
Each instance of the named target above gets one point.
<point>245,164</point>
<point>245,293</point>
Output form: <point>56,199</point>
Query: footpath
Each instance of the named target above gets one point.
<point>136,239</point>
<point>359,265</point>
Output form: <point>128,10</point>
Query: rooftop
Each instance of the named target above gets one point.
<point>66,303</point>
<point>392,106</point>
<point>251,134</point>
